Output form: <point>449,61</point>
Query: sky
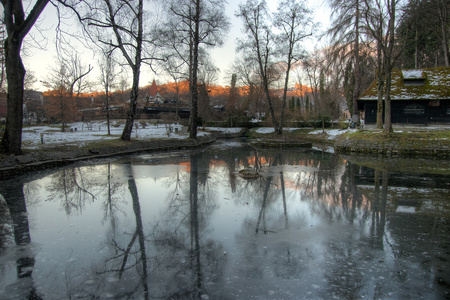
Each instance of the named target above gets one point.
<point>41,60</point>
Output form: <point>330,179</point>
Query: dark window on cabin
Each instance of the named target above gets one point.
<point>414,109</point>
<point>448,110</point>
<point>414,82</point>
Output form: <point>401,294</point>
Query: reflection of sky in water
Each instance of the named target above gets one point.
<point>303,230</point>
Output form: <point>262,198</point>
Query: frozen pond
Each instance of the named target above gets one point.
<point>185,225</point>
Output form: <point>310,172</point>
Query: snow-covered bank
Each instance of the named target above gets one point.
<point>80,133</point>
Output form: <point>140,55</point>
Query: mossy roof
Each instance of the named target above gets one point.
<point>436,87</point>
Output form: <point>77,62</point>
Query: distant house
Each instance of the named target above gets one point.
<point>420,96</point>
<point>153,96</point>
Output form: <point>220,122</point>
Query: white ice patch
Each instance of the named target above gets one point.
<point>405,209</point>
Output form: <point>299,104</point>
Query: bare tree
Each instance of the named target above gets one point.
<point>207,72</point>
<point>389,59</point>
<point>107,80</point>
<point>325,81</point>
<point>173,67</point>
<point>194,23</point>
<point>123,84</point>
<point>29,80</point>
<point>345,32</point>
<point>375,24</point>
<point>120,25</point>
<point>17,27</point>
<point>381,23</point>
<point>312,66</point>
<point>78,74</point>
<point>259,44</point>
<point>247,76</point>
<point>63,80</point>
<point>441,12</point>
<point>294,20</point>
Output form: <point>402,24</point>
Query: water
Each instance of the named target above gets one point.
<point>185,225</point>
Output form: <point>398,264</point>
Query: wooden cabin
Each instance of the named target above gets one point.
<point>419,97</point>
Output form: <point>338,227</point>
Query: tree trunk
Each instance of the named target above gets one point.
<point>286,81</point>
<point>107,110</point>
<point>441,6</point>
<point>61,102</point>
<point>126,134</point>
<point>380,85</point>
<point>12,138</point>
<point>323,123</point>
<point>355,114</point>
<point>271,110</point>
<point>387,105</point>
<point>194,88</point>
<point>444,25</point>
<point>388,67</point>
<point>416,49</point>
<point>17,27</point>
<point>136,66</point>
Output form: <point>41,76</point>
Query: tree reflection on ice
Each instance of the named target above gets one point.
<point>182,225</point>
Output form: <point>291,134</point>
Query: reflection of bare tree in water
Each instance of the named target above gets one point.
<point>194,228</point>
<point>262,211</point>
<point>15,199</point>
<point>276,160</point>
<point>6,224</point>
<point>332,191</point>
<point>114,194</point>
<point>71,186</point>
<point>181,250</point>
<point>351,198</point>
<point>347,261</point>
<point>377,228</point>
<point>140,234</point>
<point>131,255</point>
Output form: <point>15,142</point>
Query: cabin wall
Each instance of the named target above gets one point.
<point>420,112</point>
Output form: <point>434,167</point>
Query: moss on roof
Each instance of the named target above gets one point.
<point>436,87</point>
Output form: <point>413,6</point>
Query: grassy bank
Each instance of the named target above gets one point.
<point>303,135</point>
<point>409,143</point>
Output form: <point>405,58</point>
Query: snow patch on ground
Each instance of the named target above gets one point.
<point>333,133</point>
<point>265,130</point>
<point>226,130</point>
<point>405,209</point>
<point>80,133</point>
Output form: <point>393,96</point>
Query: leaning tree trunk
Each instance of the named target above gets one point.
<point>271,110</point>
<point>136,66</point>
<point>126,134</point>
<point>12,138</point>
